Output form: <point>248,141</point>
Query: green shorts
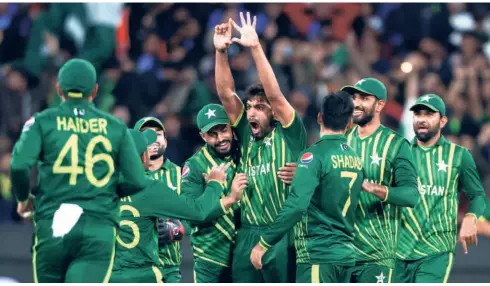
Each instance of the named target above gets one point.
<point>84,255</point>
<point>171,274</point>
<point>322,273</point>
<point>371,273</point>
<point>208,272</point>
<point>137,275</point>
<point>279,263</point>
<point>430,269</point>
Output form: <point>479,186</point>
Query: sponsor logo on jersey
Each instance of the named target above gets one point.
<point>307,158</point>
<point>28,124</point>
<point>186,171</point>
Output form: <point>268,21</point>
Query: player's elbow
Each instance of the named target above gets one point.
<point>414,197</point>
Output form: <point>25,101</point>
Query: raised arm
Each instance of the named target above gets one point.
<point>223,78</point>
<point>284,112</point>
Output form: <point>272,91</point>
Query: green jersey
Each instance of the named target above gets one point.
<point>431,227</point>
<point>137,239</point>
<point>170,174</point>
<point>387,161</point>
<point>211,240</point>
<point>486,214</point>
<point>323,201</point>
<point>261,160</point>
<point>79,151</point>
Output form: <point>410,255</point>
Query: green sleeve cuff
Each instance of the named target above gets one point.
<point>264,244</point>
<point>225,210</point>
<point>387,193</point>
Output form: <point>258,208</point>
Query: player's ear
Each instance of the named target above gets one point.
<point>58,90</point>
<point>202,136</point>
<point>94,92</point>
<point>380,104</point>
<point>319,119</point>
<point>443,121</point>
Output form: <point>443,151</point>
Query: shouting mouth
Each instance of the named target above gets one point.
<point>255,127</point>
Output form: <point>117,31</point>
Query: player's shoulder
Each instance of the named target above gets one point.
<point>196,161</point>
<point>111,119</point>
<point>171,165</point>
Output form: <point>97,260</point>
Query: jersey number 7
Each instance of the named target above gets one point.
<point>352,176</point>
<point>74,170</point>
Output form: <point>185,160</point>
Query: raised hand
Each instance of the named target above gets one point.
<point>222,36</point>
<point>248,35</point>
<point>218,173</point>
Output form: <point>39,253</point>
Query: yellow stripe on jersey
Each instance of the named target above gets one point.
<point>364,238</point>
<point>315,273</point>
<point>383,158</point>
<point>450,167</point>
<point>410,213</point>
<point>34,255</point>
<point>208,156</point>
<point>424,201</point>
<point>111,264</point>
<point>158,274</point>
<point>363,152</point>
<point>449,266</point>
<point>246,200</point>
<point>283,163</point>
<point>223,231</point>
<point>179,177</point>
<point>404,220</point>
<point>276,186</point>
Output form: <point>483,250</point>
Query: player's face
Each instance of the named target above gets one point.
<point>259,116</point>
<point>219,138</point>
<point>157,149</point>
<point>427,124</point>
<point>364,108</point>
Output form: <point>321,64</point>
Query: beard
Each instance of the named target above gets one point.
<point>365,118</point>
<point>220,151</point>
<point>426,136</point>
<point>159,153</point>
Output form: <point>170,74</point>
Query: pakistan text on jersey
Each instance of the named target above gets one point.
<point>432,190</point>
<point>80,125</point>
<point>346,161</point>
<point>261,169</point>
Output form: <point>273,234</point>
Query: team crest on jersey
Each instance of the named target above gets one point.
<point>344,147</point>
<point>186,171</point>
<point>28,124</point>
<point>307,158</point>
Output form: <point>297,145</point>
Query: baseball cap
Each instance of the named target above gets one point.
<point>77,78</point>
<point>211,115</point>
<point>143,139</point>
<point>433,101</point>
<point>369,86</point>
<point>149,122</point>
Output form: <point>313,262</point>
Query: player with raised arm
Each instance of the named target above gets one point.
<point>79,151</point>
<point>390,183</point>
<point>270,135</point>
<point>137,258</point>
<point>428,233</point>
<point>164,170</point>
<point>323,198</point>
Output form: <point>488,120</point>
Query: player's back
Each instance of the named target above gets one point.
<point>327,229</point>
<point>78,162</point>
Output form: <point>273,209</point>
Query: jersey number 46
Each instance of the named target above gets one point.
<point>74,170</point>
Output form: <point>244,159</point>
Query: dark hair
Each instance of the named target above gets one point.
<point>337,110</point>
<point>255,90</point>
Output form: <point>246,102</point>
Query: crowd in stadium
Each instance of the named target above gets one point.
<point>158,60</point>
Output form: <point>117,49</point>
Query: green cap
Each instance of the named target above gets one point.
<point>149,122</point>
<point>369,86</point>
<point>143,139</point>
<point>77,78</point>
<point>211,115</point>
<point>433,101</point>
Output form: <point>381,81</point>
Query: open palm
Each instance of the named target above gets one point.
<point>222,36</point>
<point>248,35</point>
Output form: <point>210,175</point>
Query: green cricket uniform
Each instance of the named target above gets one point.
<point>387,160</point>
<point>170,254</point>
<point>137,253</point>
<point>212,241</point>
<point>322,202</point>
<point>264,197</point>
<point>79,152</point>
<point>429,231</point>
<point>486,214</point>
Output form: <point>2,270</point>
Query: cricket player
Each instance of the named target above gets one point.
<point>163,170</point>
<point>79,152</point>
<point>137,250</point>
<point>213,241</point>
<point>323,199</point>
<point>484,222</point>
<point>390,183</point>
<point>428,232</point>
<point>270,135</point>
